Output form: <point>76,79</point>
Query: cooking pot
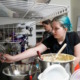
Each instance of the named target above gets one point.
<point>66,60</point>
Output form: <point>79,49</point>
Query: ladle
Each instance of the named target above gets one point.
<point>61,49</point>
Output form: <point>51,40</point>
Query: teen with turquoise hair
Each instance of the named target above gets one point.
<point>61,30</point>
<point>64,21</point>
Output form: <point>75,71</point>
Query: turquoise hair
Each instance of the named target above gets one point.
<point>64,21</point>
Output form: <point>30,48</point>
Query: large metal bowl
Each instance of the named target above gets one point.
<point>65,60</point>
<point>19,71</point>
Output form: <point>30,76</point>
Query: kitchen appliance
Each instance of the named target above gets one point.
<point>19,35</point>
<point>63,59</point>
<point>26,34</point>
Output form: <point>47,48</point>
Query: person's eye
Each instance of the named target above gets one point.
<point>56,29</point>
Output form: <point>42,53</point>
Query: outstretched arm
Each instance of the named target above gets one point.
<point>26,54</point>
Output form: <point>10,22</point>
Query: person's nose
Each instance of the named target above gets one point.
<point>53,31</point>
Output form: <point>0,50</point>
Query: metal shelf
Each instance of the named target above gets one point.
<point>33,11</point>
<point>40,30</point>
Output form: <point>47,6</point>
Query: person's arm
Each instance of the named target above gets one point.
<point>26,54</point>
<point>39,42</point>
<point>77,53</point>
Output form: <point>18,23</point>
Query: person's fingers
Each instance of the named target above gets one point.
<point>2,61</point>
<point>6,61</point>
<point>3,58</point>
<point>6,58</point>
<point>6,55</point>
<point>0,54</point>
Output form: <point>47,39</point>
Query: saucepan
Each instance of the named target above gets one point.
<point>66,60</point>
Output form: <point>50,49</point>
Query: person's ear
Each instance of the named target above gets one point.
<point>66,29</point>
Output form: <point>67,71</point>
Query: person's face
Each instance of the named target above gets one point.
<point>47,27</point>
<point>57,30</point>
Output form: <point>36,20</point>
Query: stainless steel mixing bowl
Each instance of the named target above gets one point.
<point>66,60</point>
<point>19,71</point>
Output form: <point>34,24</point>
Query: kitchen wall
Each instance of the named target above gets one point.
<point>75,12</point>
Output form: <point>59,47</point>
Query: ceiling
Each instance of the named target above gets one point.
<point>30,9</point>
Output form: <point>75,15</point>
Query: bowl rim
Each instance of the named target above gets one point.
<point>68,61</point>
<point>13,74</point>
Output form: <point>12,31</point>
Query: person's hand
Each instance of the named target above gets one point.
<point>6,58</point>
<point>1,56</point>
<point>77,60</point>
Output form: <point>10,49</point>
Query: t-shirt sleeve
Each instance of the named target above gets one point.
<point>76,38</point>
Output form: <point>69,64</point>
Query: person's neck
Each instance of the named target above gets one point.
<point>61,40</point>
<point>50,30</point>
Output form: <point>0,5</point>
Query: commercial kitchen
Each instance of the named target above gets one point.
<point>21,29</point>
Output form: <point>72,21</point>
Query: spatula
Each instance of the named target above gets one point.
<point>61,49</point>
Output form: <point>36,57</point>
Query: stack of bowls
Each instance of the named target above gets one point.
<point>54,72</point>
<point>75,75</point>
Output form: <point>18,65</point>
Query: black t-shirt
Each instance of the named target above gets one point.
<point>46,34</point>
<point>71,39</point>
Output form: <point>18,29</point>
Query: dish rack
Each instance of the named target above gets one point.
<point>31,10</point>
<point>8,43</point>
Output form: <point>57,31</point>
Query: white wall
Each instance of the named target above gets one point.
<point>75,12</point>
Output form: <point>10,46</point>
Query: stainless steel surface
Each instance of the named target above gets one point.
<point>19,72</point>
<point>12,48</point>
<point>68,65</point>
